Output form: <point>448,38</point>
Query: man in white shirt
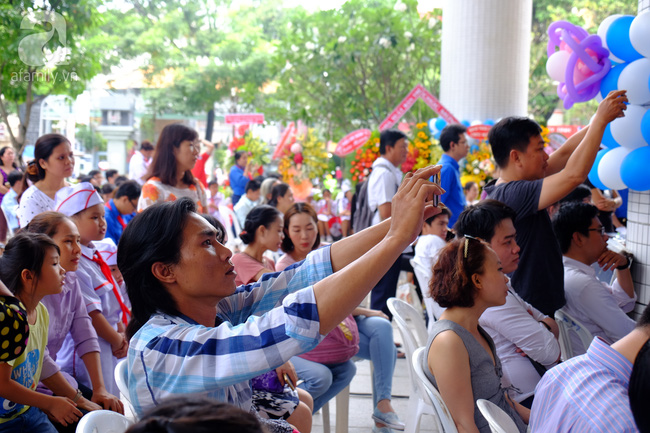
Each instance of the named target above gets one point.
<point>139,164</point>
<point>248,201</point>
<point>525,339</point>
<point>383,182</point>
<point>598,306</point>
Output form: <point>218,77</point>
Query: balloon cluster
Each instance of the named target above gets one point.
<point>579,64</point>
<point>624,160</point>
<point>436,125</point>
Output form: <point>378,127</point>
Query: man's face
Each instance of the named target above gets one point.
<point>254,195</point>
<point>595,242</point>
<point>397,154</point>
<point>97,179</point>
<point>460,149</point>
<point>504,244</point>
<point>534,160</point>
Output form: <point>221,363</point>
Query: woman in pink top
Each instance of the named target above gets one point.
<point>368,334</point>
<point>263,231</point>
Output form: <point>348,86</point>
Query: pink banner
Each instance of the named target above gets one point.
<point>284,139</point>
<point>418,92</point>
<point>244,118</point>
<point>352,141</point>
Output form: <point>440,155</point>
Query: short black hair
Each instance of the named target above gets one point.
<point>238,155</point>
<point>14,176</point>
<point>580,193</point>
<point>481,220</point>
<point>388,138</point>
<point>119,180</point>
<point>451,134</point>
<point>572,217</point>
<point>93,173</point>
<point>644,320</point>
<point>511,133</point>
<point>146,145</point>
<point>443,211</point>
<point>131,189</point>
<point>253,185</point>
<point>107,188</point>
<point>111,172</point>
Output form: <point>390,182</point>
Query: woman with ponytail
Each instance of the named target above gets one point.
<point>53,162</point>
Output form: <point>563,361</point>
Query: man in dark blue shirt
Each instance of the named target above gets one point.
<point>454,143</point>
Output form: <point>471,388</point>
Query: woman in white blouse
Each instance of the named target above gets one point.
<point>53,162</point>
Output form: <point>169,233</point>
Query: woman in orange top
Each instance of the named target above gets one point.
<point>170,174</point>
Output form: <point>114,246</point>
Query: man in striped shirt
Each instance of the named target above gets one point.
<point>589,393</point>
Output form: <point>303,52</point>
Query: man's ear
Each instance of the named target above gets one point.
<point>164,273</point>
<point>514,157</point>
<point>577,239</point>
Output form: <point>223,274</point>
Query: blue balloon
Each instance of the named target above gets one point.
<point>634,169</point>
<point>645,126</point>
<point>608,138</point>
<point>610,81</point>
<point>489,122</point>
<point>432,124</point>
<point>437,135</point>
<point>618,39</point>
<point>466,123</point>
<point>593,173</point>
<point>440,123</point>
<point>473,148</point>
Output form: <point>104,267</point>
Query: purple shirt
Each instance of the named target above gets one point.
<point>587,393</point>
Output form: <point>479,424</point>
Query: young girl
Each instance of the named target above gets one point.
<point>328,368</point>
<point>53,162</point>
<point>461,359</point>
<point>262,231</point>
<point>69,320</point>
<point>30,267</point>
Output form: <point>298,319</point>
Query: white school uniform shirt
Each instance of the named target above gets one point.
<point>33,202</point>
<point>138,167</point>
<point>382,185</point>
<point>516,325</point>
<point>598,306</point>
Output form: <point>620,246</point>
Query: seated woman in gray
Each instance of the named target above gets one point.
<point>461,360</point>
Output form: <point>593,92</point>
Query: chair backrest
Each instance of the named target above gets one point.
<point>103,421</point>
<point>445,423</point>
<point>122,381</point>
<point>500,422</point>
<point>569,325</point>
<point>234,243</point>
<point>404,312</point>
<point>424,276</point>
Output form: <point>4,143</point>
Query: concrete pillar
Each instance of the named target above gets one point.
<point>116,137</point>
<point>485,58</point>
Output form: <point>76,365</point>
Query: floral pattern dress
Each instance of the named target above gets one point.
<point>154,191</point>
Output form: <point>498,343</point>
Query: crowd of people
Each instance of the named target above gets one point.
<point>137,268</point>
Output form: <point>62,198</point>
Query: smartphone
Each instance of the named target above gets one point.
<point>288,381</point>
<point>436,197</point>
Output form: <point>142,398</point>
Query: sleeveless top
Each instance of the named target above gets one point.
<point>485,375</point>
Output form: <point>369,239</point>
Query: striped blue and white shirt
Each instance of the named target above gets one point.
<point>175,355</point>
<point>587,393</point>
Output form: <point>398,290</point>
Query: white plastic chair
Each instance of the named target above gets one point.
<point>500,422</point>
<point>444,423</point>
<point>342,415</point>
<point>403,312</point>
<point>433,309</point>
<point>569,325</point>
<point>122,381</point>
<point>103,421</point>
<point>234,243</point>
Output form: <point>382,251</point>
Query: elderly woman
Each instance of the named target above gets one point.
<point>194,332</point>
<point>170,173</point>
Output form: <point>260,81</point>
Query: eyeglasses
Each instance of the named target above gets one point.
<point>600,229</point>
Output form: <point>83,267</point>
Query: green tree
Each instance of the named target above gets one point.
<point>348,68</point>
<point>91,140</point>
<point>588,14</point>
<point>48,48</point>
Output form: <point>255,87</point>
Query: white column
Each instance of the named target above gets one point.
<point>116,137</point>
<point>485,58</point>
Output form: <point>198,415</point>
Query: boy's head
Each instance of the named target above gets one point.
<point>453,141</point>
<point>393,146</point>
<point>126,197</point>
<point>438,224</point>
<point>111,175</point>
<point>213,186</point>
<point>85,207</point>
<point>578,230</point>
<point>518,140</point>
<point>15,180</point>
<point>108,250</point>
<point>493,222</point>
<point>253,190</point>
<point>96,178</point>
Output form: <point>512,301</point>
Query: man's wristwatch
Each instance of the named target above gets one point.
<point>627,264</point>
